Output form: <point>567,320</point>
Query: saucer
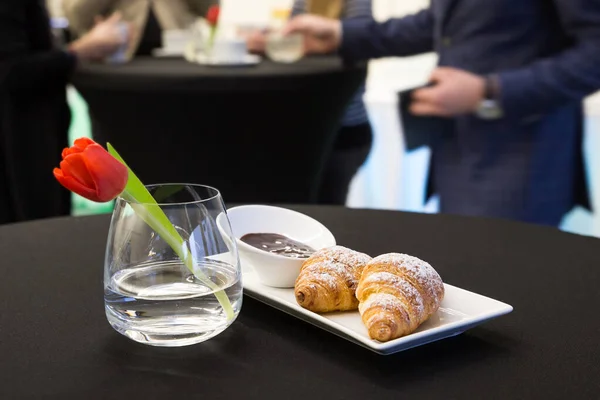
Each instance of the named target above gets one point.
<point>248,60</point>
<point>168,52</point>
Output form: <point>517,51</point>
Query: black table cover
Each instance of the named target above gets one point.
<point>56,343</point>
<point>259,134</point>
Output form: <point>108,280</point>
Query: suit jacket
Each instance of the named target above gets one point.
<point>171,14</point>
<point>34,116</point>
<point>527,165</point>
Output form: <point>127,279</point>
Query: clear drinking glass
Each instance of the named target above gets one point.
<point>284,48</point>
<point>150,294</point>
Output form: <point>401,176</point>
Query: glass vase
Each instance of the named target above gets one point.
<point>163,294</point>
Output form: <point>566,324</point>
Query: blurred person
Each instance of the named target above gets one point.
<point>511,78</point>
<point>54,8</point>
<point>34,115</point>
<point>148,17</point>
<point>353,140</point>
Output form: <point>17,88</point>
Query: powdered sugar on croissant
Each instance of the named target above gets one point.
<point>328,280</point>
<point>397,293</point>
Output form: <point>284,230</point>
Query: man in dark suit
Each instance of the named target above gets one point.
<point>511,76</point>
<point>34,116</point>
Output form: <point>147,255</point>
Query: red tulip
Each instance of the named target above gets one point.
<point>212,16</point>
<point>90,171</point>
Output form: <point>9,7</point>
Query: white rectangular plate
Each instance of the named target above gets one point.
<point>460,310</point>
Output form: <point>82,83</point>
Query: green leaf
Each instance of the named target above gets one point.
<point>164,192</point>
<point>146,207</point>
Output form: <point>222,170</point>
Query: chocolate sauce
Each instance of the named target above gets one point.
<point>278,244</point>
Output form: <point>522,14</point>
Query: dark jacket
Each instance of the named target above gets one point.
<point>529,164</point>
<point>34,116</point>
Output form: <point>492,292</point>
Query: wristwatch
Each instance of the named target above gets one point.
<point>489,108</point>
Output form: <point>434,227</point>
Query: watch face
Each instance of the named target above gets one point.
<point>489,109</point>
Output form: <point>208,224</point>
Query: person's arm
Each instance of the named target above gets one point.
<point>200,7</point>
<point>568,76</point>
<point>23,68</point>
<point>81,14</point>
<point>364,38</point>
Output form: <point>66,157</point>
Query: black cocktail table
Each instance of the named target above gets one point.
<point>56,343</point>
<point>259,134</point>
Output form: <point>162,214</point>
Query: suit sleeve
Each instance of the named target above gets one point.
<point>81,14</point>
<point>566,77</point>
<point>364,38</point>
<point>24,69</point>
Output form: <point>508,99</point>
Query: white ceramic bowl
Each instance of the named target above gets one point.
<point>273,269</point>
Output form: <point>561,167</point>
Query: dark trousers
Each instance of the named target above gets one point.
<point>351,149</point>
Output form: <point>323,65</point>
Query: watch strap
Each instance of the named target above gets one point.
<point>492,90</point>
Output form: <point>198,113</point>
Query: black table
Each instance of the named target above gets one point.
<point>56,343</point>
<point>260,133</point>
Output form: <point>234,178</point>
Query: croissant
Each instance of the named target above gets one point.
<point>328,280</point>
<point>397,293</point>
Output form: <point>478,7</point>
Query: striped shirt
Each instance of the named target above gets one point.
<point>356,113</point>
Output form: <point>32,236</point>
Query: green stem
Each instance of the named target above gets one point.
<point>176,242</point>
<point>211,38</point>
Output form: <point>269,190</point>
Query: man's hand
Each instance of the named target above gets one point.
<point>256,42</point>
<point>321,35</point>
<point>455,92</point>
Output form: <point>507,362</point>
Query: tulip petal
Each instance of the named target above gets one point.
<point>78,146</point>
<point>83,142</point>
<point>74,186</point>
<point>74,165</point>
<point>109,175</point>
<point>69,150</point>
